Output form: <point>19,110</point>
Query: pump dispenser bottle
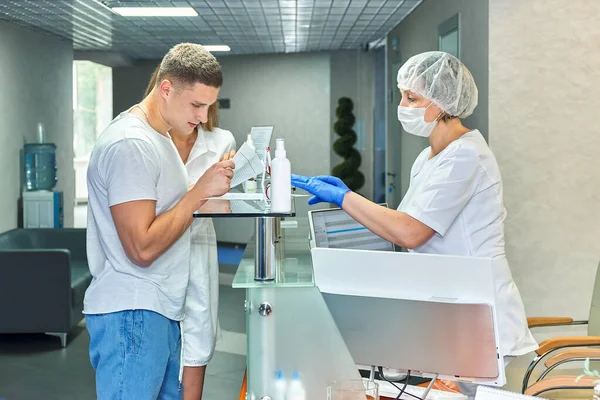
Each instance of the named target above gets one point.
<point>250,141</point>
<point>281,185</point>
<point>250,185</point>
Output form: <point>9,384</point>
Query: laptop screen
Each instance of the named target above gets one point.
<point>335,229</point>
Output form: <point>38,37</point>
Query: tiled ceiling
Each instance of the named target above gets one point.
<point>247,26</point>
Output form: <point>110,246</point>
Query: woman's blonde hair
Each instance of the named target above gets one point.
<point>445,117</point>
<point>213,109</point>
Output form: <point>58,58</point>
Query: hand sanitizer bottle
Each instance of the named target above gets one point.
<point>250,141</point>
<point>296,389</point>
<point>281,180</point>
<point>279,386</point>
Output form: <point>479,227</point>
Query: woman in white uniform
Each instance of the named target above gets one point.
<point>454,202</point>
<point>206,146</point>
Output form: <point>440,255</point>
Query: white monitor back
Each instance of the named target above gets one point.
<point>438,304</point>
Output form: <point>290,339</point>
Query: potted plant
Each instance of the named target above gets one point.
<point>347,170</point>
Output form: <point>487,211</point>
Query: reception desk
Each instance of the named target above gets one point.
<point>291,330</point>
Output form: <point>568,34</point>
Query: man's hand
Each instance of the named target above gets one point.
<point>228,156</point>
<point>216,207</point>
<point>214,182</point>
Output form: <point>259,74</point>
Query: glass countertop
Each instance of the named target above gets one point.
<point>236,208</point>
<point>296,271</point>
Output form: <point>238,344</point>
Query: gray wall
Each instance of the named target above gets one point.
<point>353,76</point>
<point>37,76</point>
<point>419,33</point>
<point>290,92</point>
<point>129,84</point>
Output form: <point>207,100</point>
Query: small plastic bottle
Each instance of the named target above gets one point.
<point>296,389</point>
<point>281,184</point>
<point>279,386</point>
<point>250,186</point>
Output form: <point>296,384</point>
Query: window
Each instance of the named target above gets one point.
<point>92,112</point>
<point>449,36</point>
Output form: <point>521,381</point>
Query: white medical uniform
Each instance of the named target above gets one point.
<point>458,193</point>
<point>200,324</point>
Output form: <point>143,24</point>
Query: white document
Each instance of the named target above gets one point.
<point>488,393</point>
<point>246,207</point>
<point>261,136</point>
<point>246,196</point>
<point>239,196</point>
<point>247,165</point>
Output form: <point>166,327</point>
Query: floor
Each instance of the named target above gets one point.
<point>36,367</point>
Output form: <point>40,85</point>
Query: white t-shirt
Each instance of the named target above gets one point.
<point>131,161</point>
<point>458,193</point>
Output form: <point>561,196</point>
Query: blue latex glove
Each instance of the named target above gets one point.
<point>327,189</point>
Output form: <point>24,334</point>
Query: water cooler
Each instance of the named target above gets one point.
<point>42,208</point>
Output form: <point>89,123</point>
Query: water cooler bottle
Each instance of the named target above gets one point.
<point>42,208</point>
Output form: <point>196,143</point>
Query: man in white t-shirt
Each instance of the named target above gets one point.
<point>138,242</point>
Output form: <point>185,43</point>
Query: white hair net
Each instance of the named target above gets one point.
<point>441,78</point>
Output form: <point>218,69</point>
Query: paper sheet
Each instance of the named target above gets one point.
<point>488,393</point>
<point>247,196</point>
<point>261,136</point>
<point>245,207</point>
<point>247,165</point>
<point>239,196</point>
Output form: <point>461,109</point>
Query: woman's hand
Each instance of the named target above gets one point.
<point>216,207</point>
<point>228,156</point>
<point>323,188</point>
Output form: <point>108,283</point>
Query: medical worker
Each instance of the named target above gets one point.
<point>199,150</point>
<point>454,202</point>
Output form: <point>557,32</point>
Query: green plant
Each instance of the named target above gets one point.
<point>347,171</point>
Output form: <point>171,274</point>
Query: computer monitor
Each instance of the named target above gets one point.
<point>415,312</point>
<point>333,228</point>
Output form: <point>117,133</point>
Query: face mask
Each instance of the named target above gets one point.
<point>413,120</point>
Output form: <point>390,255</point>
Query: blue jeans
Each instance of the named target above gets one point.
<point>136,355</point>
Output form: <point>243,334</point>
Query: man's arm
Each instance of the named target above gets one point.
<point>145,236</point>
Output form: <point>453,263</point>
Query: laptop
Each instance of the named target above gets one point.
<point>333,228</point>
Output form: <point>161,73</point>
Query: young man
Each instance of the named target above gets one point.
<point>138,239</point>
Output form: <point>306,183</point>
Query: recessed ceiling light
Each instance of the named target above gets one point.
<point>155,11</point>
<point>216,47</point>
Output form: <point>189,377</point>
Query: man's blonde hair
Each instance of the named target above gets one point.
<point>188,64</point>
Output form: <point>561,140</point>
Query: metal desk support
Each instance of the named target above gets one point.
<point>268,237</point>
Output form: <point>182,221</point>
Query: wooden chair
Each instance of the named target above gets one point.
<point>565,349</point>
